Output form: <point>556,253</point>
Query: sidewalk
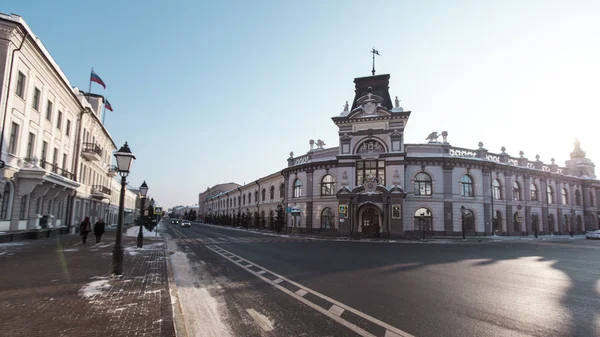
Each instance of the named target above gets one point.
<point>59,287</point>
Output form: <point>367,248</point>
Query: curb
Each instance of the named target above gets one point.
<point>178,318</point>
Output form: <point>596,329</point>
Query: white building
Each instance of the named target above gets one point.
<point>373,182</point>
<point>56,151</point>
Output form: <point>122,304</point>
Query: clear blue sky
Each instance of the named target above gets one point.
<point>211,92</point>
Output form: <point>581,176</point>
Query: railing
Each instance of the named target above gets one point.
<point>91,147</point>
<point>495,157</point>
<point>101,189</point>
<point>46,165</point>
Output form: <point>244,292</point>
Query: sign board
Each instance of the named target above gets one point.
<point>342,220</point>
<point>157,210</point>
<point>519,218</point>
<point>343,209</point>
<point>296,210</point>
<point>288,210</point>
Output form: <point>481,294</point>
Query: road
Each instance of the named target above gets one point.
<point>324,288</point>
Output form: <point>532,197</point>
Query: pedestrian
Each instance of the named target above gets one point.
<point>99,230</point>
<point>85,228</point>
<point>377,230</point>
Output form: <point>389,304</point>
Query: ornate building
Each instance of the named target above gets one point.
<point>398,189</point>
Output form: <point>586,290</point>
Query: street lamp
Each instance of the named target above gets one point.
<point>124,161</point>
<point>143,192</point>
<point>463,210</point>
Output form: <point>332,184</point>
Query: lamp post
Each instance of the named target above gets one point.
<point>124,161</point>
<point>143,192</point>
<point>463,210</point>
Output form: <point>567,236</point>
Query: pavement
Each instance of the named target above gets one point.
<point>269,285</point>
<point>60,287</point>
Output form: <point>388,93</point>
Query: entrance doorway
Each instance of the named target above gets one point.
<point>370,221</point>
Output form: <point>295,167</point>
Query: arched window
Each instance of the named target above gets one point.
<point>423,220</point>
<point>467,186</point>
<point>550,193</point>
<point>297,188</point>
<point>327,185</point>
<point>423,184</point>
<point>516,191</point>
<point>534,192</point>
<point>272,193</point>
<point>577,198</point>
<point>240,201</point>
<point>497,189</point>
<point>5,200</point>
<point>263,194</point>
<point>281,190</point>
<point>565,197</point>
<point>249,197</point>
<point>244,196</point>
<point>327,218</point>
<point>256,196</point>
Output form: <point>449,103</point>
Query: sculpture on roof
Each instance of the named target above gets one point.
<point>312,144</point>
<point>445,137</point>
<point>320,144</point>
<point>292,154</point>
<point>577,152</point>
<point>432,138</point>
<point>346,106</point>
<point>397,102</point>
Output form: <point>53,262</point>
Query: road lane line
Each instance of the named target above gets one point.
<point>278,280</point>
<point>260,272</point>
<point>300,292</point>
<point>336,310</point>
<point>384,325</point>
<point>334,317</point>
<point>248,265</point>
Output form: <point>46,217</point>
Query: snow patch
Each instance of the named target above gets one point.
<point>12,244</point>
<point>152,292</point>
<point>94,288</point>
<point>135,230</point>
<point>69,250</point>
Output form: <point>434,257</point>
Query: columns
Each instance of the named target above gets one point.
<point>545,211</point>
<point>37,195</point>
<point>487,197</point>
<point>510,220</point>
<point>448,207</point>
<point>527,200</point>
<point>309,196</point>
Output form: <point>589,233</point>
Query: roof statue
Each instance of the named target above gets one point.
<point>480,145</point>
<point>577,152</point>
<point>397,102</point>
<point>432,138</point>
<point>445,137</point>
<point>292,154</point>
<point>320,144</point>
<point>346,106</point>
<point>312,144</point>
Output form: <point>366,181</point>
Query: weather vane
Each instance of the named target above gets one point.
<point>374,52</point>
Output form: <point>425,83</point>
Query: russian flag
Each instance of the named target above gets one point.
<point>107,106</point>
<point>95,78</point>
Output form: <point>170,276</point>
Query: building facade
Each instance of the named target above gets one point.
<point>384,185</point>
<point>57,154</point>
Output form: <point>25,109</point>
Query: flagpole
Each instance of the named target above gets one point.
<point>90,88</point>
<point>104,110</point>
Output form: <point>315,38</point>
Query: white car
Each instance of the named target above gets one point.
<point>185,224</point>
<point>593,234</point>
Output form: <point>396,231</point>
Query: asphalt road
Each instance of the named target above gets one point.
<point>422,289</point>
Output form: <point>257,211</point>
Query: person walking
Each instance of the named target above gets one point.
<point>85,228</point>
<point>99,230</point>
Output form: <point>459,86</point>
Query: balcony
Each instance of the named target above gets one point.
<point>112,170</point>
<point>91,152</point>
<point>101,192</point>
<point>48,166</point>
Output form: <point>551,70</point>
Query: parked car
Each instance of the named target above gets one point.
<point>593,235</point>
<point>175,221</point>
<point>185,224</point>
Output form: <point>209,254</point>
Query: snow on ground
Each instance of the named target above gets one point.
<point>12,244</point>
<point>95,288</point>
<point>134,231</point>
<point>205,315</point>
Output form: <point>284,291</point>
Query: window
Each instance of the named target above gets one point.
<point>262,194</point>
<point>297,188</point>
<point>550,194</point>
<point>30,144</point>
<point>281,190</point>
<point>272,193</point>
<point>49,110</point>
<point>240,201</point>
<point>64,163</point>
<point>23,210</point>
<point>327,218</point>
<point>249,197</point>
<point>36,99</point>
<point>534,192</point>
<point>565,196</point>
<point>423,219</point>
<point>396,212</point>
<point>256,196</point>
<point>44,150</point>
<point>328,185</point>
<point>467,186</point>
<point>59,120</point>
<point>244,199</point>
<point>370,168</point>
<point>5,196</point>
<point>14,135</point>
<point>423,184</point>
<point>20,90</point>
<point>577,198</point>
<point>497,189</point>
<point>55,160</point>
<point>68,129</point>
<point>516,191</point>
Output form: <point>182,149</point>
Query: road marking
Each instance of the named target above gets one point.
<point>263,321</point>
<point>248,265</point>
<point>336,310</point>
<point>261,272</point>
<point>278,280</point>
<point>300,292</point>
<point>238,261</point>
<point>316,307</point>
<point>388,333</point>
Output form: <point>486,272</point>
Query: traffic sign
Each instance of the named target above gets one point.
<point>342,220</point>
<point>343,209</point>
<point>157,210</point>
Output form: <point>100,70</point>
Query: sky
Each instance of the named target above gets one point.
<point>207,92</point>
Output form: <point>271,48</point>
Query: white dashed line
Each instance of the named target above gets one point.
<point>261,272</point>
<point>301,292</point>
<point>248,265</point>
<point>336,310</point>
<point>278,280</point>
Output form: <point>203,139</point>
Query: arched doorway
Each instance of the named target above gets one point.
<point>370,220</point>
<point>423,220</point>
<point>497,225</point>
<point>551,228</point>
<point>579,224</point>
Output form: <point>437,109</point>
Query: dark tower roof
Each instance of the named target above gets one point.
<point>380,85</point>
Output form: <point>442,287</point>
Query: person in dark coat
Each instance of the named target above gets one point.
<point>99,230</point>
<point>85,228</point>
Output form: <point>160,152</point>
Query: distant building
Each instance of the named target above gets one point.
<point>57,153</point>
<point>374,181</point>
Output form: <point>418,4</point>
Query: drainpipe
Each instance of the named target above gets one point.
<point>12,58</point>
<point>77,154</point>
